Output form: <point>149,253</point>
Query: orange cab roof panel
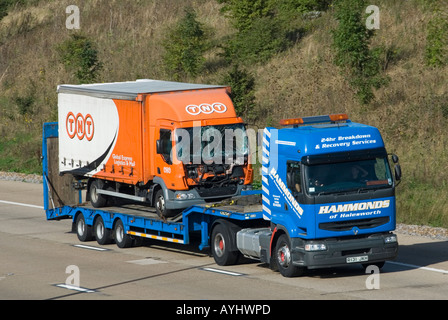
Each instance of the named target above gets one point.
<point>191,105</point>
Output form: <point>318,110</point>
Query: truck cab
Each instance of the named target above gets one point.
<point>201,148</point>
<point>329,192</point>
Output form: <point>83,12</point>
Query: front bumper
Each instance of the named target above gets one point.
<point>369,249</point>
<point>193,198</point>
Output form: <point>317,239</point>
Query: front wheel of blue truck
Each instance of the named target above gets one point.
<point>283,258</point>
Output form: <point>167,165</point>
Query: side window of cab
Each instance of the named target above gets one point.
<point>293,177</point>
<point>164,145</point>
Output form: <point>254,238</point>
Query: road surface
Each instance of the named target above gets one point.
<point>41,260</point>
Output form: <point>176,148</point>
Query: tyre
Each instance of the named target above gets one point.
<point>83,231</point>
<point>221,248</point>
<point>160,204</point>
<point>122,239</point>
<point>102,234</point>
<point>97,200</point>
<point>283,258</point>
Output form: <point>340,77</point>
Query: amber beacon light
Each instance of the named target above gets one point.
<point>312,120</point>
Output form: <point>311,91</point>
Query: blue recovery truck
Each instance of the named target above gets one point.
<point>327,200</point>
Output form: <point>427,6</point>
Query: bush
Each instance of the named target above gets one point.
<point>351,39</point>
<point>185,46</point>
<point>79,55</point>
<point>263,39</point>
<point>25,104</point>
<point>245,12</point>
<point>301,6</point>
<point>265,27</point>
<point>436,51</point>
<point>243,91</point>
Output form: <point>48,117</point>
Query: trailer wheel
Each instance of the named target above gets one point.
<point>283,258</point>
<point>83,231</point>
<point>122,239</point>
<point>97,200</point>
<point>220,245</point>
<point>102,234</point>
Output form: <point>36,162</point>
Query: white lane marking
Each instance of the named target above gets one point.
<point>89,247</point>
<point>413,266</point>
<point>146,262</point>
<point>223,272</point>
<point>21,204</point>
<point>69,287</point>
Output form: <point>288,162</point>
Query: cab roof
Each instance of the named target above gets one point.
<point>327,138</point>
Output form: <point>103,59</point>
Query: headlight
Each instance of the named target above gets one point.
<point>392,238</point>
<point>315,247</point>
<point>181,196</point>
<point>184,196</point>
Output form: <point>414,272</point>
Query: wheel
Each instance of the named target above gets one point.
<point>160,204</point>
<point>122,239</point>
<point>97,200</point>
<point>102,234</point>
<point>220,245</point>
<point>283,258</point>
<point>83,231</point>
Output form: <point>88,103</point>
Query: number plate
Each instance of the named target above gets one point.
<point>357,259</point>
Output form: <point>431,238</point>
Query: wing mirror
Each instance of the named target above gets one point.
<point>397,168</point>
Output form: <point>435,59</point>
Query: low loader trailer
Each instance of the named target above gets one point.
<point>327,200</point>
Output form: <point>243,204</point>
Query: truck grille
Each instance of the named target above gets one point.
<point>349,225</point>
<point>228,190</point>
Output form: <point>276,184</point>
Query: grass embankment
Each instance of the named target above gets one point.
<point>411,111</point>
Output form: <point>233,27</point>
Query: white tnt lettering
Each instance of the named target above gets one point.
<point>206,108</point>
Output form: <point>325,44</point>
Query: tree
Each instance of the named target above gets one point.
<point>185,46</point>
<point>79,55</point>
<point>244,12</point>
<point>351,39</point>
<point>243,88</point>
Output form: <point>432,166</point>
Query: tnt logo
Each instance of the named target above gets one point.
<point>205,108</point>
<point>80,126</point>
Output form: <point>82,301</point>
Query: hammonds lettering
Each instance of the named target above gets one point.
<point>287,194</point>
<point>350,207</point>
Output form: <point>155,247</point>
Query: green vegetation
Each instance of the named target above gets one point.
<point>79,56</point>
<point>353,53</point>
<point>185,45</point>
<point>283,58</point>
<point>243,95</point>
<point>436,51</point>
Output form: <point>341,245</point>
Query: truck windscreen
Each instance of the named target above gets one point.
<point>221,144</point>
<point>348,176</point>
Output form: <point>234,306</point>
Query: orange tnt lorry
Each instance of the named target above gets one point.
<point>168,144</point>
